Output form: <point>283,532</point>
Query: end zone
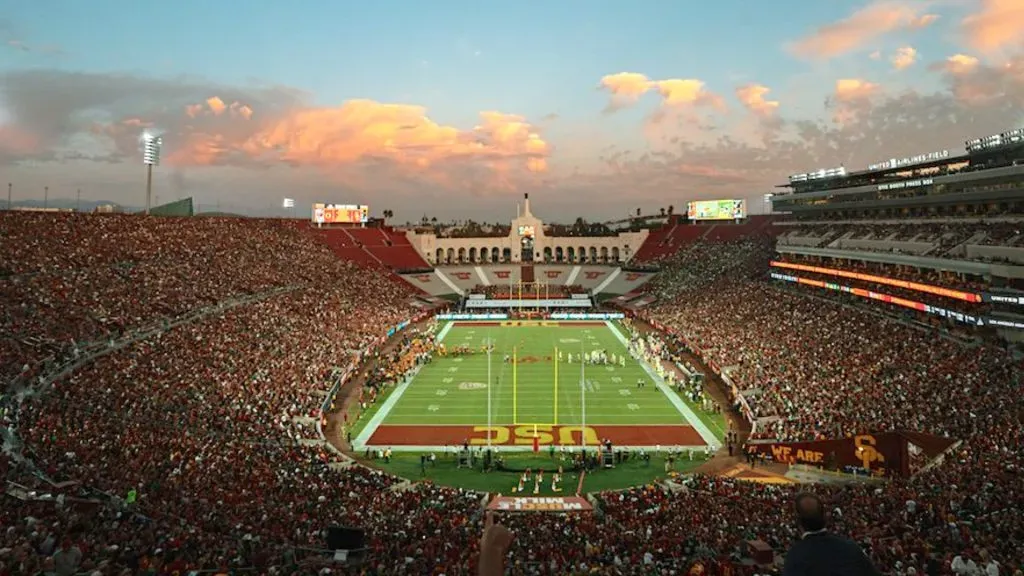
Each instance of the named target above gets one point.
<point>521,438</point>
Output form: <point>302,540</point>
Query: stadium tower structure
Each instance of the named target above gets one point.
<point>949,217</point>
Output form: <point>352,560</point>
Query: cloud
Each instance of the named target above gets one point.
<point>210,125</point>
<point>904,58</point>
<point>752,96</point>
<point>627,87</point>
<point>957,64</point>
<point>397,155</point>
<point>850,89</point>
<point>998,24</point>
<point>976,85</point>
<point>860,28</point>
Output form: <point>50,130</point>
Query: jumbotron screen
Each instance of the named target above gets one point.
<point>340,214</point>
<point>717,210</point>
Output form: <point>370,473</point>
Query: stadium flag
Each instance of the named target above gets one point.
<point>289,203</point>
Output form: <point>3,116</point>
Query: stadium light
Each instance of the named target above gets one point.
<point>151,145</point>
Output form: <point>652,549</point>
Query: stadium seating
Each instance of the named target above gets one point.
<point>184,449</point>
<point>666,241</point>
<point>374,246</point>
<point>994,239</point>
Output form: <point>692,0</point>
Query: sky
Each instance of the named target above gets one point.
<point>455,109</point>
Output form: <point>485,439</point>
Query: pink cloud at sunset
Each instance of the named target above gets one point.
<point>752,96</point>
<point>627,87</point>
<point>999,24</point>
<point>364,131</point>
<point>904,58</point>
<point>860,28</point>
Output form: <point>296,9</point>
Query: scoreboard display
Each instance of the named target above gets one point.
<point>340,214</point>
<point>717,210</point>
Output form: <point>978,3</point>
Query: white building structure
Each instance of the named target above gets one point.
<point>527,243</point>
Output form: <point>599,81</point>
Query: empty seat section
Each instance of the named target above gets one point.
<point>399,257</point>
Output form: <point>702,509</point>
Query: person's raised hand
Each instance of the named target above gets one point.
<point>494,546</point>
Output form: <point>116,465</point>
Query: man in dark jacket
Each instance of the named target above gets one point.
<point>819,552</point>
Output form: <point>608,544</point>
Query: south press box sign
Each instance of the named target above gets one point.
<point>539,504</point>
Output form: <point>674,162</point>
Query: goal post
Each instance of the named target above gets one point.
<point>555,359</point>
<point>515,391</point>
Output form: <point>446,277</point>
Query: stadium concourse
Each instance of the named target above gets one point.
<point>165,378</point>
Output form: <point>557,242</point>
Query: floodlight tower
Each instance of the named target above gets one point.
<point>151,145</point>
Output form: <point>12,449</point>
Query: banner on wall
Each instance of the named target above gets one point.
<point>472,316</point>
<point>885,454</point>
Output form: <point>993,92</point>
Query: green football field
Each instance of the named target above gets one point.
<point>536,393</point>
<point>449,389</point>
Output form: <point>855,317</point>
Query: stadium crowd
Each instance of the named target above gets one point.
<point>185,447</point>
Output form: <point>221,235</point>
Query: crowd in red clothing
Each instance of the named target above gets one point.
<point>185,443</point>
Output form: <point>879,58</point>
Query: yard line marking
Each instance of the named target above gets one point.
<point>691,418</point>
<point>385,409</point>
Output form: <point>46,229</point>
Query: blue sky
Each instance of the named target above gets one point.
<point>536,60</point>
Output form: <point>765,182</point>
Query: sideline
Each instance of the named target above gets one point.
<point>684,410</point>
<point>359,443</point>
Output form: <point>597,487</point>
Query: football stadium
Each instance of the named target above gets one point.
<point>683,364</point>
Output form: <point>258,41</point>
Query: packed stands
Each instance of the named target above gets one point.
<point>182,424</point>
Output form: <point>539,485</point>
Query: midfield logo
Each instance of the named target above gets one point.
<point>592,275</point>
<point>502,273</point>
<point>423,278</point>
<point>631,276</point>
<point>553,273</point>
<point>461,275</point>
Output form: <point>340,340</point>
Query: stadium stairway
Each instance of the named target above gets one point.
<point>484,281</point>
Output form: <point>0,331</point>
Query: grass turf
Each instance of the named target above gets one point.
<point>445,472</point>
<point>453,390</point>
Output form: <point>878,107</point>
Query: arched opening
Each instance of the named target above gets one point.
<point>571,254</point>
<point>451,256</point>
<point>439,257</point>
<point>604,254</point>
<point>506,255</point>
<point>581,252</point>
<point>615,253</point>
<point>494,254</point>
<point>559,254</point>
<point>472,254</point>
<point>593,254</point>
<point>547,254</point>
<point>483,254</point>
<point>462,255</point>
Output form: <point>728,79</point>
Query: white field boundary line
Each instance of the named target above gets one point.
<point>674,398</point>
<point>359,443</point>
<point>544,448</point>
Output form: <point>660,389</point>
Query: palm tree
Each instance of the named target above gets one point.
<point>638,212</point>
<point>663,211</point>
<point>671,209</point>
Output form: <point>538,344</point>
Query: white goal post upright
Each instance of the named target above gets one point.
<point>488,344</point>
<point>583,399</point>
